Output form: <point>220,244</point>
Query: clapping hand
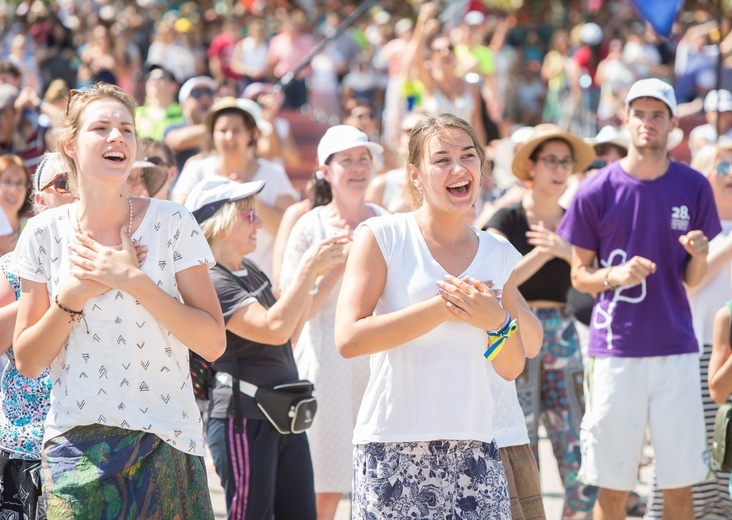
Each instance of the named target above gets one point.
<point>548,242</point>
<point>695,243</point>
<point>472,301</point>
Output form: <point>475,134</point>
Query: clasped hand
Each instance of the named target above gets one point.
<point>472,301</point>
<point>98,268</point>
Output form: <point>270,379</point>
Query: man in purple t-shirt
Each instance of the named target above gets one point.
<point>646,221</point>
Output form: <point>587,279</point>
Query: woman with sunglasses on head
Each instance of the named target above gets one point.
<point>14,188</point>
<point>159,154</point>
<point>265,474</point>
<point>711,497</point>
<point>420,296</point>
<point>25,401</point>
<point>444,90</point>
<point>123,435</point>
<point>550,388</point>
<point>345,166</point>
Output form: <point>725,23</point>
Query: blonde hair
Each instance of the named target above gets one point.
<point>220,225</point>
<point>437,126</point>
<point>705,158</point>
<point>78,101</point>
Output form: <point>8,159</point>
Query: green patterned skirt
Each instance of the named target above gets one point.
<point>103,472</point>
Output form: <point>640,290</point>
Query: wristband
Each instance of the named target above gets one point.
<point>505,323</point>
<point>75,316</point>
<point>606,281</point>
<point>498,339</point>
<point>315,288</point>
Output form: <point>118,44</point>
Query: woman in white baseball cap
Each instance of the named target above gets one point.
<point>345,159</point>
<point>258,351</point>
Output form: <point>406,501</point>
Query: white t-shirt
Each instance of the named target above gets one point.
<point>254,54</point>
<point>5,227</point>
<point>277,184</point>
<point>712,297</point>
<point>438,385</point>
<point>509,423</point>
<point>128,371</point>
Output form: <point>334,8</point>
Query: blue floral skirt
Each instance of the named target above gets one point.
<point>435,479</point>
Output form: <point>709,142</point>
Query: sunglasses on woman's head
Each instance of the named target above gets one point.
<point>59,183</point>
<point>250,214</point>
<point>73,92</point>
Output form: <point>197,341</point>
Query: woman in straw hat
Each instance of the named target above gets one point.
<point>550,388</point>
<point>233,128</point>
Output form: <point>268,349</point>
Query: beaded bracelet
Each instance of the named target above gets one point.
<point>503,325</point>
<point>498,339</point>
<point>76,316</point>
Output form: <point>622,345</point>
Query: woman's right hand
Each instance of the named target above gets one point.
<point>327,254</point>
<point>473,301</point>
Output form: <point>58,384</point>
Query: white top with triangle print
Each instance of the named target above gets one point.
<point>128,371</point>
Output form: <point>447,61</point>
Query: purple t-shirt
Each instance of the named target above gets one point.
<point>618,217</point>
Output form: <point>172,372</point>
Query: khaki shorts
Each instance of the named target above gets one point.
<point>524,486</point>
<point>626,396</point>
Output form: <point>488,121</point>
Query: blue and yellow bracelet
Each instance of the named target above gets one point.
<point>497,338</point>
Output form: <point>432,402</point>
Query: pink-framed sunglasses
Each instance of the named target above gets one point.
<point>251,214</point>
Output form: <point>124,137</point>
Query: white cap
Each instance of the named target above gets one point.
<point>474,18</point>
<point>608,134</point>
<point>521,134</point>
<point>674,139</point>
<point>344,137</point>
<point>246,106</point>
<point>652,88</point>
<point>210,194</point>
<point>50,166</point>
<point>591,34</point>
<point>194,83</point>
<point>718,100</point>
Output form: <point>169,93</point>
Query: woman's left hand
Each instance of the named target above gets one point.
<point>473,301</point>
<point>107,265</point>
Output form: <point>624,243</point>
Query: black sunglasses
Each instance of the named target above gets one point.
<point>157,161</point>
<point>74,91</point>
<point>200,92</point>
<point>59,183</point>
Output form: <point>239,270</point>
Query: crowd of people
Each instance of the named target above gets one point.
<point>500,232</point>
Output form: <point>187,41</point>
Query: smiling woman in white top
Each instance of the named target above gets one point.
<point>123,434</point>
<point>345,156</point>
<point>414,299</point>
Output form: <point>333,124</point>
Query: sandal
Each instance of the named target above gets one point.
<point>635,506</point>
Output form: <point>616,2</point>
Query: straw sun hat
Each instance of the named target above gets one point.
<point>582,152</point>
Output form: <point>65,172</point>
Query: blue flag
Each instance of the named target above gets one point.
<point>659,13</point>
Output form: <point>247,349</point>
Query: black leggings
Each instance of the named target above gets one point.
<point>265,474</point>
